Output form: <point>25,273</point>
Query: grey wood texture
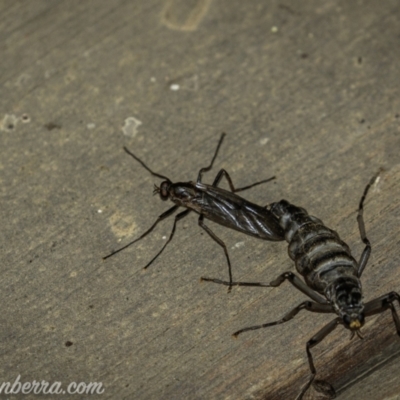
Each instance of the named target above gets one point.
<point>307,91</point>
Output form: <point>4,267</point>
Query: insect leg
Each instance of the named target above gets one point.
<point>361,226</point>
<point>177,218</point>
<point>290,276</point>
<point>205,169</point>
<point>325,331</point>
<point>298,284</point>
<point>305,305</point>
<point>381,304</point>
<point>223,173</point>
<point>222,244</point>
<point>164,215</point>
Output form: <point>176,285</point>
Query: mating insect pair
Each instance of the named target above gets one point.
<point>331,274</point>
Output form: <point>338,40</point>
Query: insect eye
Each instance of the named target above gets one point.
<point>341,298</point>
<point>346,320</point>
<point>356,297</point>
<point>164,190</point>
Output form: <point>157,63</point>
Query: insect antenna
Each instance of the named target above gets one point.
<point>156,190</point>
<point>358,333</point>
<point>145,166</point>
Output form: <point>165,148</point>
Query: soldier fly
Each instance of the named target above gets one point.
<point>331,275</point>
<point>216,204</point>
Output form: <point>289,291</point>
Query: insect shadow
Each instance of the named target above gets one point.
<point>211,202</point>
<point>331,275</point>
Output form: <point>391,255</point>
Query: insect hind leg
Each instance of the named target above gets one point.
<point>205,169</point>
<point>224,174</point>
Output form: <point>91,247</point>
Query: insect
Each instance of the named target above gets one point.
<point>216,204</point>
<point>331,275</point>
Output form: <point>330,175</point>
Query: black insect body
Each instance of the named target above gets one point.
<point>216,204</point>
<point>331,275</point>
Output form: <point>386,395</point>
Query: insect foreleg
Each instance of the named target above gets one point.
<point>381,304</point>
<point>325,331</point>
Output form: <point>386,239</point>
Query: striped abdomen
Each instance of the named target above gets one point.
<point>318,252</point>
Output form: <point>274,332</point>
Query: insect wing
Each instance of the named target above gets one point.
<point>232,211</point>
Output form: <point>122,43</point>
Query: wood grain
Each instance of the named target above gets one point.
<point>306,91</point>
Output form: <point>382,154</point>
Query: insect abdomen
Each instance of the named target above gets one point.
<point>318,252</point>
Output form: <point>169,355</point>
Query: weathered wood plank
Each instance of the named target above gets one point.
<point>308,92</point>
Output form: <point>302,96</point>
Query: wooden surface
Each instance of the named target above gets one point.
<point>308,91</point>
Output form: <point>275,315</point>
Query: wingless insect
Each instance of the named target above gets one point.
<point>331,275</point>
<point>216,204</point>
